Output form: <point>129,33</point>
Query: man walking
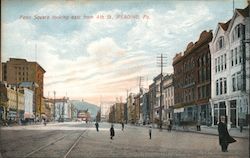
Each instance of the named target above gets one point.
<point>97,126</point>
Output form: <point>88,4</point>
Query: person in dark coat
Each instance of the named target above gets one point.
<point>122,126</point>
<point>112,132</point>
<point>224,137</point>
<point>150,132</point>
<point>97,126</point>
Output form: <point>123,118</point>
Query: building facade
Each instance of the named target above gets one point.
<point>28,103</point>
<point>49,108</point>
<point>13,104</point>
<point>131,108</point>
<point>17,70</point>
<point>230,70</point>
<point>145,110</point>
<point>137,108</point>
<point>168,97</point>
<point>157,95</point>
<point>62,110</point>
<point>151,101</point>
<point>192,81</point>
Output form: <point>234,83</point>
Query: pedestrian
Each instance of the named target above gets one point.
<point>224,137</point>
<point>122,126</point>
<point>150,132</point>
<point>112,132</point>
<point>241,124</point>
<point>170,124</point>
<point>97,126</point>
<point>198,125</point>
<point>44,122</point>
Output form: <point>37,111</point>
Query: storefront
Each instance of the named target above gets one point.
<point>12,114</point>
<point>205,114</point>
<point>235,109</point>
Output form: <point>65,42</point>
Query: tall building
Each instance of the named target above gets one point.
<point>168,97</point>
<point>18,70</point>
<point>192,82</point>
<point>131,107</point>
<point>151,102</point>
<point>230,70</point>
<point>12,104</point>
<point>157,95</point>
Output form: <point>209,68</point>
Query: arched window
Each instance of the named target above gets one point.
<point>220,43</point>
<point>237,32</point>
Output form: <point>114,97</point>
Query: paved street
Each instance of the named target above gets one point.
<point>81,140</point>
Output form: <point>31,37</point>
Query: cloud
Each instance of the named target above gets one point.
<point>89,58</point>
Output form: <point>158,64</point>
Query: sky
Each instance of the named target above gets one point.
<point>97,50</point>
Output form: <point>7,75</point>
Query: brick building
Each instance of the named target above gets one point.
<point>192,82</point>
<point>17,70</point>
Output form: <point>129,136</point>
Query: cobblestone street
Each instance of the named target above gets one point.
<point>82,140</point>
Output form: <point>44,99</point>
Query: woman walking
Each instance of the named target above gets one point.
<point>112,132</point>
<point>224,137</point>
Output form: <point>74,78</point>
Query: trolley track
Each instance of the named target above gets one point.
<point>40,150</point>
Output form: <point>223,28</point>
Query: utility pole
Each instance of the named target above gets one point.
<point>126,110</point>
<point>17,112</point>
<point>54,105</point>
<point>162,64</point>
<point>63,109</point>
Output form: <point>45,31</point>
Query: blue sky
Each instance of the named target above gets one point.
<point>100,58</point>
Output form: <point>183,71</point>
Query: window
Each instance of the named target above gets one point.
<point>239,81</point>
<point>225,61</point>
<point>217,87</point>
<point>225,86</point>
<point>221,86</point>
<point>240,54</point>
<point>215,64</point>
<point>220,43</point>
<point>204,60</point>
<point>233,83</point>
<point>236,56</point>
<point>222,62</point>
<point>236,34</point>
<point>232,57</point>
<point>221,92</point>
<point>219,64</point>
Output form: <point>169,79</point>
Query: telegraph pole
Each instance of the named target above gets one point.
<point>54,105</point>
<point>162,64</point>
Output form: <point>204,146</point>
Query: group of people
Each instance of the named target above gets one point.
<point>224,138</point>
<point>112,131</point>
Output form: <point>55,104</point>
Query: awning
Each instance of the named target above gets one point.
<point>179,110</point>
<point>29,115</point>
<point>43,116</point>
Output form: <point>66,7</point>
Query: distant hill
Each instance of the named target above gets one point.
<point>92,109</point>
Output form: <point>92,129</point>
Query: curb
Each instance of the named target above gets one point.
<point>205,133</point>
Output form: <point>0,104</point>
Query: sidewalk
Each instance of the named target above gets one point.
<point>214,131</point>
